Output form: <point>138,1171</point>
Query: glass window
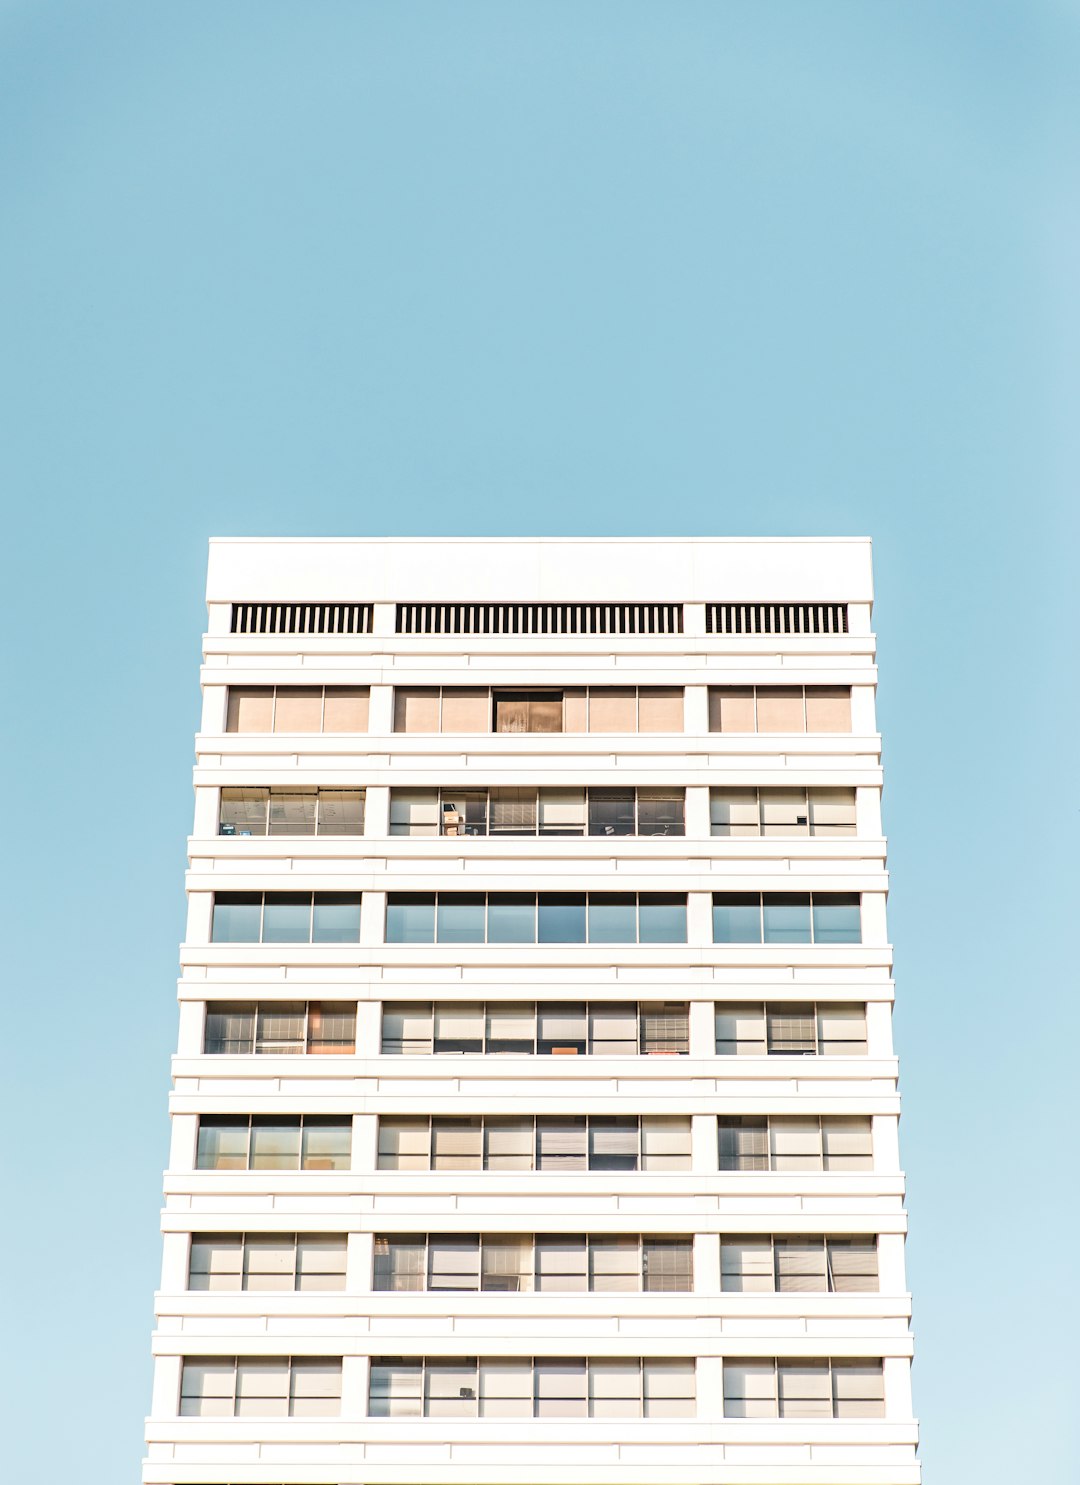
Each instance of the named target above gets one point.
<point>613,1142</point>
<point>858,1389</point>
<point>230,1029</point>
<point>345,709</point>
<point>795,1144</point>
<point>528,711</point>
<point>331,1027</point>
<point>744,1142</point>
<point>661,918</point>
<point>454,1263</point>
<point>414,812</point>
<point>251,709</point>
<point>841,1030</point>
<point>270,1262</point>
<point>451,1388</point>
<point>404,1144</point>
<point>223,1143</point>
<point>506,1389</point>
<point>281,1026</point>
<point>803,1389</point>
<point>208,1387</point>
<point>665,1142</point>
<point>298,709</point>
<point>749,1389</point>
<point>292,812</point>
<point>466,709</point>
<point>400,1263</point>
<point>661,811</point>
<point>613,709</point>
<point>664,1029</point>
<point>506,1264</point>
<point>336,918</point>
<point>614,1265</point>
<point>786,917</point>
<point>243,811</point>
<point>611,812</point>
<point>562,1264</point>
<point>314,1387</point>
<point>561,1144</point>
<point>320,1263</point>
<point>561,918</point>
<point>416,710</point>
<point>736,918</point>
<point>511,918</point>
<point>734,812</point>
<point>510,1029</point>
<point>561,1389</point>
<point>275,1142</point>
<point>615,1389</point>
<point>341,811</point>
<point>216,1261</point>
<point>407,1029</point>
<point>847,1143</point>
<point>832,811</point>
<point>459,918</point>
<point>561,1028</point>
<point>660,709</point>
<point>828,709</point>
<point>669,1388</point>
<point>780,709</point>
<point>792,1030</point>
<point>327,1143</point>
<point>396,1389</point>
<point>410,918</point>
<point>612,918</point>
<point>237,917</point>
<point>740,1030</point>
<point>731,709</point>
<point>613,1030</point>
<point>667,1265</point>
<point>513,811</point>
<point>746,1265</point>
<point>457,1144</point>
<point>853,1264</point>
<point>800,1265</point>
<point>784,812</point>
<point>562,811</point>
<point>837,918</point>
<point>459,1026</point>
<point>508,1143</point>
<point>287,918</point>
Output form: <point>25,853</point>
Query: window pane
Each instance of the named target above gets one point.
<point>665,1142</point>
<point>292,813</point>
<point>803,1389</point>
<point>506,1265</point>
<point>786,917</point>
<point>784,812</point>
<point>780,709</point>
<point>287,918</point>
<point>395,1390</point>
<point>661,918</point>
<point>511,918</point>
<point>800,1265</point>
<point>667,1265</point>
<point>513,811</point>
<point>561,1389</point>
<point>464,812</point>
<point>223,1143</point>
<point>561,918</point>
<point>660,811</point>
<point>792,1030</point>
<point>746,1265</point>
<point>404,1144</point>
<point>237,916</point>
<point>341,811</point>
<point>454,1263</point>
<point>459,1026</point>
<point>858,1389</point>
<point>611,812</point>
<point>298,709</point>
<point>410,918</point>
<point>510,1028</point>
<point>275,1143</point>
<point>407,1029</point>
<point>665,1030</point>
<point>269,1262</point>
<point>740,1030</point>
<point>734,812</point>
<point>841,1030</point>
<point>230,1029</point>
<point>346,709</point>
<point>251,709</point>
<point>613,1030</point>
<point>459,918</point>
<point>613,709</point>
<point>736,918</point>
<point>853,1265</point>
<point>506,1389</point>
<point>561,1144</point>
<point>216,1262</point>
<point>749,1389</point>
<point>847,1143</point>
<point>331,1026</point>
<point>731,709</point>
<point>660,709</point>
<point>508,1143</point>
<point>207,1387</point>
<point>562,811</point>
<point>744,1143</point>
<point>836,918</point>
<point>575,709</point>
<point>795,1144</point>
<point>615,1389</point>
<point>400,1264</point>
<point>243,811</point>
<point>457,1144</point>
<point>828,709</point>
<point>612,918</point>
<point>832,811</point>
<point>315,1388</point>
<point>327,1143</point>
<point>562,1264</point>
<point>320,1263</point>
<point>614,1265</point>
<point>450,1389</point>
<point>561,1028</point>
<point>466,709</point>
<point>670,1389</point>
<point>613,1142</point>
<point>281,1028</point>
<point>337,918</point>
<point>528,711</point>
<point>414,812</point>
<point>416,710</point>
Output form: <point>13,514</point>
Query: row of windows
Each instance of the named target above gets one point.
<point>554,1144</point>
<point>559,709</point>
<point>526,1263</point>
<point>536,918</point>
<point>530,1387</point>
<point>534,1028</point>
<point>538,811</point>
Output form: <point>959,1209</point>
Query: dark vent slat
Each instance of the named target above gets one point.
<point>540,618</point>
<point>776,618</point>
<point>301,618</point>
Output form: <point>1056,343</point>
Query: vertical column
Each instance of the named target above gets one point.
<point>377,810</point>
<point>355,1372</point>
<point>359,1262</point>
<point>702,1028</point>
<point>696,711</point>
<point>381,711</point>
<point>698,823</point>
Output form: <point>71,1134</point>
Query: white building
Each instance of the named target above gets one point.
<point>535,1111</point>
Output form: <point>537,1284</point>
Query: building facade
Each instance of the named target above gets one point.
<point>535,1107</point>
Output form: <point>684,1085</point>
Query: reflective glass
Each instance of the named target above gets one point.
<point>511,918</point>
<point>837,919</point>
<point>661,918</point>
<point>287,918</point>
<point>561,918</point>
<point>737,918</point>
<point>236,917</point>
<point>460,918</point>
<point>612,918</point>
<point>787,917</point>
<point>410,918</point>
<point>336,918</point>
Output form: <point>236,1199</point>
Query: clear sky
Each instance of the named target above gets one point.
<point>579,266</point>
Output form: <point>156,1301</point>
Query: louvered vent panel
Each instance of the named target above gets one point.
<point>776,618</point>
<point>539,618</point>
<point>301,618</point>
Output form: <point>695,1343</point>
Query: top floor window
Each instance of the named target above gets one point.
<point>292,812</point>
<point>779,708</point>
<point>480,709</point>
<point>532,811</point>
<point>297,709</point>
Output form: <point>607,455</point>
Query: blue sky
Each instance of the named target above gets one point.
<point>582,266</point>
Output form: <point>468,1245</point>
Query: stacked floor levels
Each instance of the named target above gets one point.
<point>535,1110</point>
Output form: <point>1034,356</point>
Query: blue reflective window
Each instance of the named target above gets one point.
<point>287,918</point>
<point>459,918</point>
<point>661,918</point>
<point>336,918</point>
<point>410,918</point>
<point>836,918</point>
<point>560,918</point>
<point>736,918</point>
<point>612,918</point>
<point>787,917</point>
<point>237,916</point>
<point>511,918</point>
